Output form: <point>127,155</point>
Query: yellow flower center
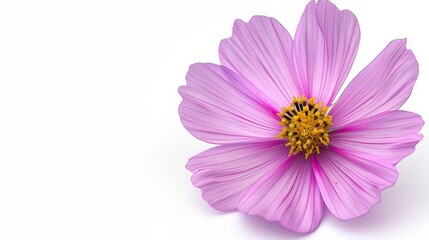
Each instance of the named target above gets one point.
<point>305,125</point>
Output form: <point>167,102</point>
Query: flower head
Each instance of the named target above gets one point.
<point>285,149</point>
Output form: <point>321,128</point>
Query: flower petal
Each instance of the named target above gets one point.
<point>324,48</point>
<point>351,182</point>
<point>223,173</point>
<point>260,51</point>
<point>287,194</point>
<point>390,135</point>
<point>221,107</point>
<point>384,85</point>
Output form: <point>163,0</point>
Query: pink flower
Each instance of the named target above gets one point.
<point>285,150</point>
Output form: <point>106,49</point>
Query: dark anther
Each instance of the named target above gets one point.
<point>297,106</point>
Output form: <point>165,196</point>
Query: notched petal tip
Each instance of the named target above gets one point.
<point>236,29</point>
<point>400,43</point>
<point>181,89</point>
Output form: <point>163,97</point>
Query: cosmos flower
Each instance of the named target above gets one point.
<point>285,150</point>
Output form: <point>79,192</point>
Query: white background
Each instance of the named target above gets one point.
<point>91,146</point>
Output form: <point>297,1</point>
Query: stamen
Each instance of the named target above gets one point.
<point>305,125</point>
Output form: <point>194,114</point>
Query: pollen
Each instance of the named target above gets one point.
<point>305,126</point>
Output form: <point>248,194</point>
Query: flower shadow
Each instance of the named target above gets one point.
<point>273,230</point>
